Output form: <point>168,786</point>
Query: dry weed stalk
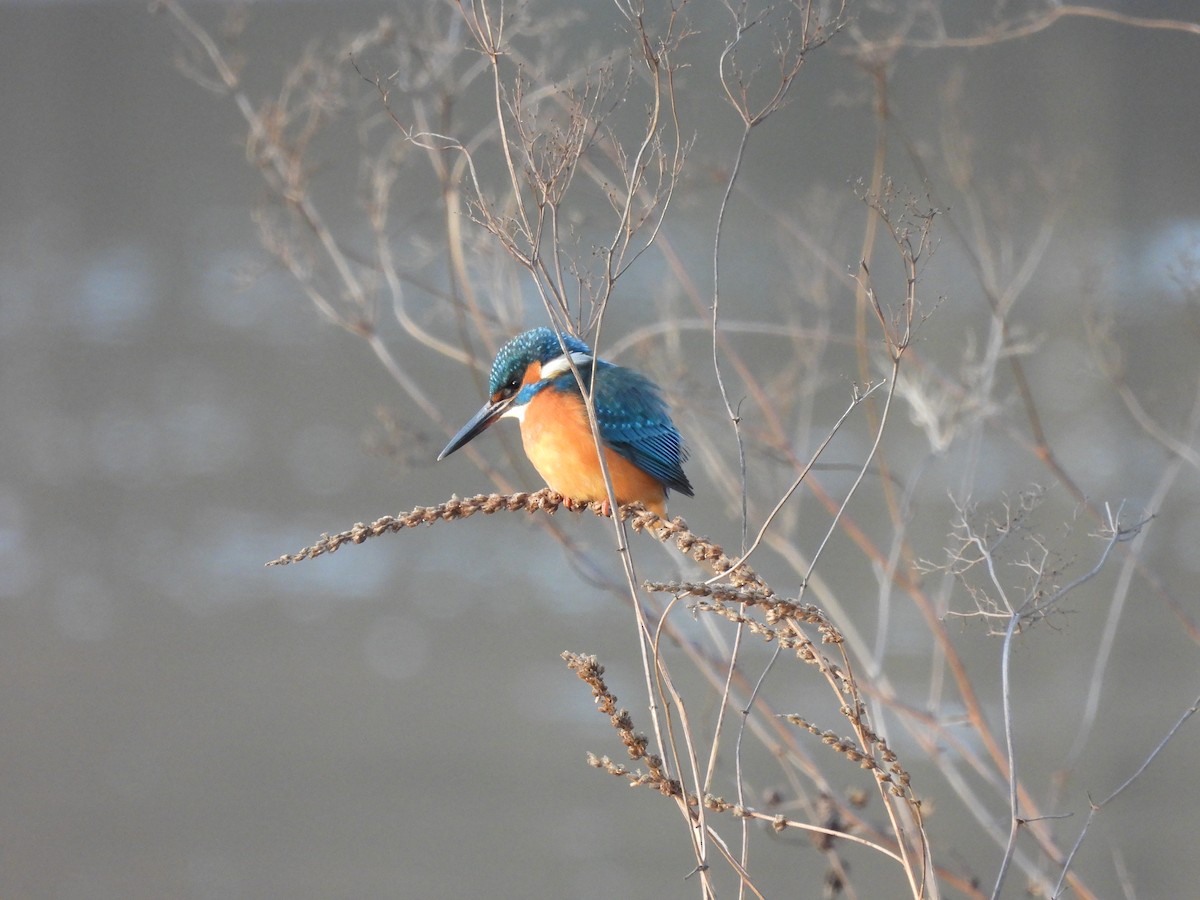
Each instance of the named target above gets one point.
<point>511,203</point>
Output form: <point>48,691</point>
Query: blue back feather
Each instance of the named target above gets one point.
<point>636,423</point>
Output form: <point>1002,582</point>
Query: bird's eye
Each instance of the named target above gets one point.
<point>509,389</point>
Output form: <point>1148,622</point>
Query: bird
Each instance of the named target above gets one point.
<point>532,381</point>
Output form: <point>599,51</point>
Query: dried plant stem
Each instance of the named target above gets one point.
<point>687,542</point>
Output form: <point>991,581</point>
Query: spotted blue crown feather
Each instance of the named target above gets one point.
<point>540,344</point>
<point>633,419</point>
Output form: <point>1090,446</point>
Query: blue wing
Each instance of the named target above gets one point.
<point>636,423</point>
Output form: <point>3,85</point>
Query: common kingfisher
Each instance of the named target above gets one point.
<point>532,382</point>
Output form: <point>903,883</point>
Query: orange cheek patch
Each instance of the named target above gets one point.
<point>533,374</point>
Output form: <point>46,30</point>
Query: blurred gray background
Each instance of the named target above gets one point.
<point>394,720</point>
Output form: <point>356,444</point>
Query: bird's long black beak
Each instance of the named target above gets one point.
<point>492,410</point>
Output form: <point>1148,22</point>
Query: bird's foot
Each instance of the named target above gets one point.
<point>578,505</point>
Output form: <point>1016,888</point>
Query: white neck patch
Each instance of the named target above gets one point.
<point>559,364</point>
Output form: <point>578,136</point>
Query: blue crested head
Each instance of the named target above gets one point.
<point>507,388</point>
<point>540,345</point>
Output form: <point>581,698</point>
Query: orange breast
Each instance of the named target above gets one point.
<point>558,441</point>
